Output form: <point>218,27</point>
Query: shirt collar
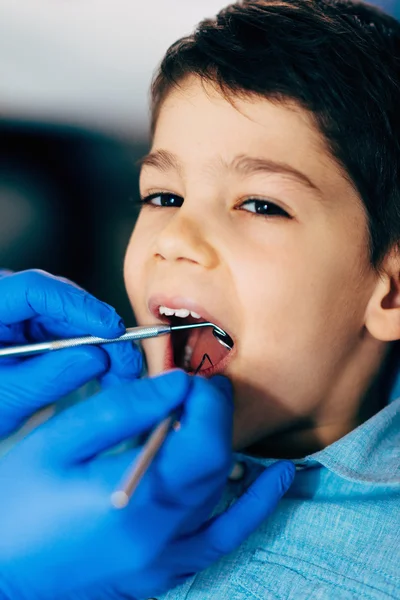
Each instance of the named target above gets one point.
<point>368,454</point>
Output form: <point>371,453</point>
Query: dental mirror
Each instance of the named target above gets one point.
<point>223,337</point>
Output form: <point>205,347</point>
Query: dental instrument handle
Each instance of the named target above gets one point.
<point>121,496</point>
<point>132,333</point>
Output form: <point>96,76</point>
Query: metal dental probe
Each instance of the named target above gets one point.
<point>132,333</point>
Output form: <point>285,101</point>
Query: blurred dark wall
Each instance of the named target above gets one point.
<point>65,205</point>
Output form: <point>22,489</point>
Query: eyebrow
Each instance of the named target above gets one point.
<point>163,160</point>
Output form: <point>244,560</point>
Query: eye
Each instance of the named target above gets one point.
<point>263,207</point>
<point>163,199</point>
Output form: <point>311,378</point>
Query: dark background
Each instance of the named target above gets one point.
<point>66,204</point>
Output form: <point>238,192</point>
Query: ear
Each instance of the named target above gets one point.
<point>382,318</point>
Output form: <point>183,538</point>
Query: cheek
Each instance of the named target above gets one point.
<point>134,267</point>
<point>297,295</point>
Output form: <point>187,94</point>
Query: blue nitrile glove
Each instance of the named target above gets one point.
<point>36,306</point>
<point>60,536</point>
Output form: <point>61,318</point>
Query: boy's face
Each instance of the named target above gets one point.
<point>274,248</point>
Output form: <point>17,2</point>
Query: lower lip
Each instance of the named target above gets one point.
<point>214,370</point>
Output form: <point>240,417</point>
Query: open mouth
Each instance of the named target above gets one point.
<point>197,350</point>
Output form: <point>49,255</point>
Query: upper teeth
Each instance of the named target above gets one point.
<point>178,312</point>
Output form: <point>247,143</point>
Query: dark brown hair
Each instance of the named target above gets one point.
<point>338,59</point>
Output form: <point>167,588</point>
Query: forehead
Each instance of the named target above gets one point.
<point>197,122</point>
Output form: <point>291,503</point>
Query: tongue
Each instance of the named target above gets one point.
<point>203,342</point>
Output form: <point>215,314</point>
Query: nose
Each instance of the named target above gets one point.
<point>183,238</point>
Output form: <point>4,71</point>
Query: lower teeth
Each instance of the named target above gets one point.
<point>187,357</point>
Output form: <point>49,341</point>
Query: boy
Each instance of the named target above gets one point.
<point>271,207</point>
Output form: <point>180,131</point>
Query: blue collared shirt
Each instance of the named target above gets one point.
<point>335,535</point>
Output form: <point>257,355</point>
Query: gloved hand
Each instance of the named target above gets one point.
<point>36,306</point>
<point>60,536</point>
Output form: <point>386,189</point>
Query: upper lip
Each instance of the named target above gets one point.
<point>176,302</point>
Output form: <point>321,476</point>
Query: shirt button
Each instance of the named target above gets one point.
<point>237,472</point>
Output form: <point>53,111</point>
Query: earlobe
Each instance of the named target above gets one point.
<point>382,318</point>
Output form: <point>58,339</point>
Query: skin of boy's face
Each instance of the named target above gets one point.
<point>291,290</point>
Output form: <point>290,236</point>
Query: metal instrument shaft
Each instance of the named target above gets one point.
<point>132,333</point>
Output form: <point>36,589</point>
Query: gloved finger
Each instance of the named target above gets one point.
<point>226,532</point>
<point>96,591</point>
<point>233,527</point>
<point>203,443</point>
<point>14,333</point>
<point>112,469</point>
<point>26,294</point>
<point>70,282</point>
<point>146,512</point>
<point>203,512</point>
<point>11,333</point>
<point>112,416</point>
<point>37,382</point>
<point>157,582</point>
<point>126,363</point>
<point>5,272</point>
<point>109,470</point>
<point>125,357</point>
<point>44,329</point>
